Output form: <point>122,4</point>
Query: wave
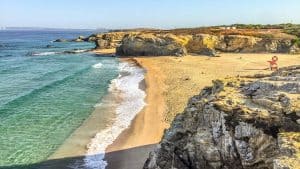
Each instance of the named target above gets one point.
<point>126,87</point>
<point>45,53</point>
<point>74,51</point>
<point>97,66</point>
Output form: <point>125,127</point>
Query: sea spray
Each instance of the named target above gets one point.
<point>127,87</point>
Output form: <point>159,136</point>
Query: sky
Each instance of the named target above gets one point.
<point>115,14</point>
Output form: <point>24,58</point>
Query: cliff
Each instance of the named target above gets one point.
<point>240,123</point>
<point>205,44</point>
<point>204,41</point>
<point>152,45</point>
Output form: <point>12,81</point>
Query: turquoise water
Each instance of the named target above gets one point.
<point>45,94</point>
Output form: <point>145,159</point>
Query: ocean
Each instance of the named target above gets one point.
<point>48,89</point>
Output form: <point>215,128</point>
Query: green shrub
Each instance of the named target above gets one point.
<point>296,42</point>
<point>266,36</point>
<point>293,31</point>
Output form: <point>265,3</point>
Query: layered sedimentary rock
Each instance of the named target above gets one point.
<point>152,45</point>
<point>240,123</point>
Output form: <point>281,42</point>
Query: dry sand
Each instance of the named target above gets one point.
<point>170,82</point>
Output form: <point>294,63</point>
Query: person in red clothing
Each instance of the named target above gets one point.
<point>273,63</point>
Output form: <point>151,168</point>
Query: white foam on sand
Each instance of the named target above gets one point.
<point>127,87</point>
<point>97,66</point>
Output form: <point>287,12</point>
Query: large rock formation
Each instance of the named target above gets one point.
<point>109,40</point>
<point>238,123</point>
<point>144,44</point>
<point>157,43</point>
<point>201,43</point>
<point>152,45</point>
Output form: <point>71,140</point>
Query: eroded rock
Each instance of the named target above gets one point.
<point>240,123</point>
<point>152,45</point>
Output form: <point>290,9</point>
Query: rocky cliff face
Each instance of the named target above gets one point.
<point>167,44</point>
<point>158,43</point>
<point>238,123</point>
<point>109,40</point>
<point>152,45</point>
<point>237,43</point>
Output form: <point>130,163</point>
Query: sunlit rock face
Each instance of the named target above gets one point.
<point>152,45</point>
<point>240,123</point>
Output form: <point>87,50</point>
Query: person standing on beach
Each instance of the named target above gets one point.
<point>273,63</point>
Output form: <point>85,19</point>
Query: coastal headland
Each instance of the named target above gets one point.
<point>179,64</point>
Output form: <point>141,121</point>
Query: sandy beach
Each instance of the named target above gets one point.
<point>170,82</point>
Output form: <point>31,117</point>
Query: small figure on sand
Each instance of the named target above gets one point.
<point>273,63</point>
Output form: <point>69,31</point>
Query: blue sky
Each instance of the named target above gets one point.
<point>145,13</point>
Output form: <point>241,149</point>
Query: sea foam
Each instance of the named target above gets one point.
<point>127,87</point>
<point>97,66</point>
<point>44,53</point>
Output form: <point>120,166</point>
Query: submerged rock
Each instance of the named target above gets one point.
<point>238,123</point>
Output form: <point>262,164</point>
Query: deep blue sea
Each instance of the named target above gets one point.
<point>46,93</point>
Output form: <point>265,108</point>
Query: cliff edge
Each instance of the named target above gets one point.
<point>241,123</point>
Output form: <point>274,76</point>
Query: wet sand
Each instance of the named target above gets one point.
<point>75,147</point>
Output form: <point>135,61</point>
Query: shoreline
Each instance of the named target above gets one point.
<point>133,145</point>
<point>83,147</point>
<point>132,102</point>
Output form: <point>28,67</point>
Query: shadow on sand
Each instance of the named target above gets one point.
<point>133,158</point>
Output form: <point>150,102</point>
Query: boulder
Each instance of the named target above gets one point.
<point>79,39</point>
<point>147,44</point>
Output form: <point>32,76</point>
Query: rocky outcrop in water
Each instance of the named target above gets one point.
<point>238,123</point>
<point>61,40</point>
